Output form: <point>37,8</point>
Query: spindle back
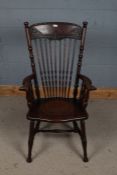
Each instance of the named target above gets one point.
<point>56,52</point>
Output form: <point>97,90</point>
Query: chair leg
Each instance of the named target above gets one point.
<point>30,141</point>
<point>37,126</point>
<point>76,127</point>
<point>84,140</point>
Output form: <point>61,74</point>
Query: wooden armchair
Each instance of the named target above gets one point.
<point>56,91</point>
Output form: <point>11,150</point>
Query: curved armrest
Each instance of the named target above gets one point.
<point>27,87</point>
<point>26,83</point>
<point>86,87</point>
<point>87,82</point>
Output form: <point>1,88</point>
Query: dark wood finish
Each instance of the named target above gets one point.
<point>56,110</point>
<point>56,64</point>
<point>84,140</point>
<point>30,141</point>
<point>55,30</point>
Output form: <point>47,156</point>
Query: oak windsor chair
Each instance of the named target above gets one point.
<point>56,91</point>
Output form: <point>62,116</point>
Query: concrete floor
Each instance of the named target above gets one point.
<point>58,154</point>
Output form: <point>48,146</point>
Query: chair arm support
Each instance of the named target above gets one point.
<point>27,87</point>
<point>86,87</point>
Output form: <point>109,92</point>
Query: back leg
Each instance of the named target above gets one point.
<point>37,126</point>
<point>76,127</point>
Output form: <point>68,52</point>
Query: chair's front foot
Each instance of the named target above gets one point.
<point>85,159</point>
<point>29,160</point>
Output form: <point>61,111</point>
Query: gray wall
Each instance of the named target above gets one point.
<point>100,58</point>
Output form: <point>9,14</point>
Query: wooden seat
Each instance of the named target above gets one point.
<point>56,110</point>
<point>56,91</point>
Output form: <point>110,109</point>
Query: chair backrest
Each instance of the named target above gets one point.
<point>56,52</point>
